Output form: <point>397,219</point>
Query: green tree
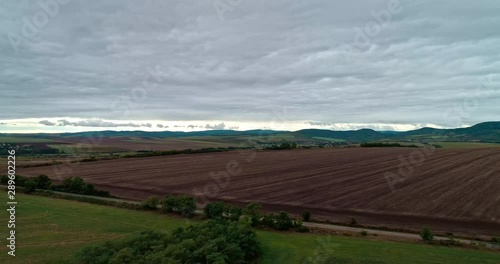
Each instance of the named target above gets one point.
<point>169,204</point>
<point>151,203</point>
<point>306,216</point>
<point>269,220</point>
<point>283,221</point>
<point>214,210</point>
<point>43,182</point>
<point>253,211</point>
<point>73,185</point>
<point>89,189</point>
<point>427,235</point>
<point>5,179</point>
<point>29,186</point>
<point>187,205</point>
<point>234,213</point>
<point>211,242</point>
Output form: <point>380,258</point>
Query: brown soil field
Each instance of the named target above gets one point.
<point>455,190</point>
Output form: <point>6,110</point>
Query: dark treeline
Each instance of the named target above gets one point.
<point>216,241</point>
<point>74,185</point>
<point>252,215</point>
<point>385,145</point>
<point>283,145</point>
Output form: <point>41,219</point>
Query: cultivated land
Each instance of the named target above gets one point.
<point>53,231</point>
<point>117,144</point>
<point>452,190</point>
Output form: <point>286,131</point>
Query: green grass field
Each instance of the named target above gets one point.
<point>52,231</point>
<point>329,139</point>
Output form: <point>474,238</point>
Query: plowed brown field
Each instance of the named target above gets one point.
<point>454,190</point>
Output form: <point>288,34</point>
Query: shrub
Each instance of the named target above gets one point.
<point>214,210</point>
<point>353,221</point>
<point>151,203</point>
<point>43,182</point>
<point>283,221</point>
<point>245,220</point>
<point>187,205</point>
<point>253,211</point>
<point>19,180</point>
<point>4,180</point>
<point>73,185</point>
<point>29,186</point>
<point>449,242</point>
<point>77,185</point>
<point>269,220</point>
<point>183,204</point>
<point>234,213</point>
<point>427,235</point>
<point>169,204</point>
<point>364,233</point>
<point>306,216</point>
<point>302,229</point>
<point>88,189</point>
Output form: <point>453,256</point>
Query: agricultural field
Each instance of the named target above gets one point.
<point>53,231</point>
<point>467,145</point>
<point>24,140</point>
<point>452,190</point>
<point>123,144</point>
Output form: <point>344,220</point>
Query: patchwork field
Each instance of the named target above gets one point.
<point>107,144</point>
<point>449,189</point>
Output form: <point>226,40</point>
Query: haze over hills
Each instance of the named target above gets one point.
<point>482,132</point>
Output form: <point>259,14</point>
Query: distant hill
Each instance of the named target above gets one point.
<point>350,135</point>
<point>483,132</point>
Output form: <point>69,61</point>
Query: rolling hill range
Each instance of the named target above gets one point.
<point>488,132</point>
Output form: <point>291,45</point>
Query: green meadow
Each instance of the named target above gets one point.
<point>52,231</point>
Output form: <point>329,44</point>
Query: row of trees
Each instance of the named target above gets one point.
<point>181,204</point>
<point>385,145</point>
<point>252,215</point>
<point>282,145</point>
<point>70,185</point>
<point>216,241</point>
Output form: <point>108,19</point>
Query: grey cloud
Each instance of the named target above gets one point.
<point>64,122</point>
<point>96,123</point>
<point>264,57</point>
<point>47,123</point>
<point>220,126</point>
<point>159,126</point>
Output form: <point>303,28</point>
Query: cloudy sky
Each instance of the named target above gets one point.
<point>76,65</point>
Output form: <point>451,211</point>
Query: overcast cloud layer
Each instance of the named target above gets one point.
<point>210,64</point>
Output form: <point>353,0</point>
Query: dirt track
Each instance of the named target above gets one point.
<point>450,190</point>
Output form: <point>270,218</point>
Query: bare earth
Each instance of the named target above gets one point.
<point>456,190</point>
